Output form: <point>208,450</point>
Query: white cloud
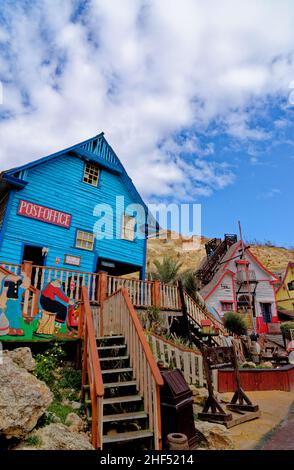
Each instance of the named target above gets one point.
<point>143,71</point>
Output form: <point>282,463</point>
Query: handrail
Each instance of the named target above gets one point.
<point>92,342</point>
<point>205,312</point>
<point>150,358</point>
<point>91,367</point>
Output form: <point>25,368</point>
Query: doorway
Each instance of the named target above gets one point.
<point>266,310</point>
<point>34,254</point>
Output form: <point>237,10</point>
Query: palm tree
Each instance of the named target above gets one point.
<point>167,270</point>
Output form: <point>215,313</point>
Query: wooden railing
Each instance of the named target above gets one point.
<point>190,362</point>
<point>140,292</point>
<point>120,318</point>
<point>11,267</point>
<point>91,370</point>
<point>169,297</point>
<point>197,313</point>
<point>72,281</point>
<point>100,285</point>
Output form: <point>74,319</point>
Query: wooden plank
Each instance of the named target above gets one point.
<point>242,419</point>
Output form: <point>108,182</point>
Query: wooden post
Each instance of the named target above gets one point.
<point>27,267</point>
<point>156,293</point>
<point>186,325</point>
<point>102,286</point>
<point>102,294</point>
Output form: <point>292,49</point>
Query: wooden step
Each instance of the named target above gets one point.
<point>126,436</point>
<point>124,416</point>
<point>125,399</point>
<point>115,346</point>
<point>127,383</point>
<point>117,371</point>
<point>114,358</point>
<point>100,338</point>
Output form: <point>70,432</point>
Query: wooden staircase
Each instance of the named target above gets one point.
<point>215,250</point>
<point>120,381</point>
<point>124,418</point>
<point>195,314</point>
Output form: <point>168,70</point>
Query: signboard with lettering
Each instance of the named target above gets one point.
<point>44,214</point>
<point>72,260</point>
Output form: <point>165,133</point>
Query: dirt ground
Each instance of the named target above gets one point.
<point>274,406</point>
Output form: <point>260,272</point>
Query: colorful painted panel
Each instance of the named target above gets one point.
<point>56,314</point>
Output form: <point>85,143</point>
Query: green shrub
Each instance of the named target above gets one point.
<point>71,378</point>
<point>235,323</point>
<point>167,270</point>
<point>48,363</point>
<point>60,410</point>
<point>33,441</point>
<point>286,327</point>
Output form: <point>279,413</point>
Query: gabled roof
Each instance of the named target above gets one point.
<point>234,252</point>
<point>236,249</point>
<point>207,290</point>
<point>95,149</point>
<point>283,282</point>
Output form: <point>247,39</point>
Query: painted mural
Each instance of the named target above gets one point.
<point>57,314</point>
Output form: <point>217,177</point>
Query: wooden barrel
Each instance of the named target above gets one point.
<point>177,441</point>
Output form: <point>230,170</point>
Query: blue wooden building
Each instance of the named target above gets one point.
<point>50,212</point>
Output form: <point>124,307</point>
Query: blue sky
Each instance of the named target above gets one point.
<point>195,97</point>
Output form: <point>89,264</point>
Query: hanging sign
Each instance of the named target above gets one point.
<point>44,214</point>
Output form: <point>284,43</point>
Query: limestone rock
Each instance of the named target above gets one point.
<point>22,357</point>
<point>74,422</point>
<point>224,398</point>
<point>23,399</point>
<point>76,405</point>
<point>199,395</point>
<point>56,437</point>
<point>217,436</point>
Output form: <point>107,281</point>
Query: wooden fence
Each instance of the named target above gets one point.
<point>188,361</point>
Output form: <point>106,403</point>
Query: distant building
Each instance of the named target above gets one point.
<point>190,244</point>
<point>233,279</point>
<point>285,294</point>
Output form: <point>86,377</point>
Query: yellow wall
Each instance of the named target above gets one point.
<point>285,297</point>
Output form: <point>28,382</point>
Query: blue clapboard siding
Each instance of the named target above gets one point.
<point>58,184</point>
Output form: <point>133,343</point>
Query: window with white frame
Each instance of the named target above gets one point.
<point>128,227</point>
<point>91,174</point>
<point>85,240</point>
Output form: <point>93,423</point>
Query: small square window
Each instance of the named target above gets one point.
<point>128,227</point>
<point>85,240</point>
<point>227,306</point>
<point>91,174</point>
<point>291,285</point>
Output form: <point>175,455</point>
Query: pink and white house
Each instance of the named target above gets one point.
<point>238,278</point>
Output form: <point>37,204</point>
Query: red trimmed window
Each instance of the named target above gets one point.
<point>227,306</point>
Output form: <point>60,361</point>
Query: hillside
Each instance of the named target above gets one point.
<point>272,257</point>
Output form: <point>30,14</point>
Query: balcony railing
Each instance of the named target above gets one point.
<point>242,276</point>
